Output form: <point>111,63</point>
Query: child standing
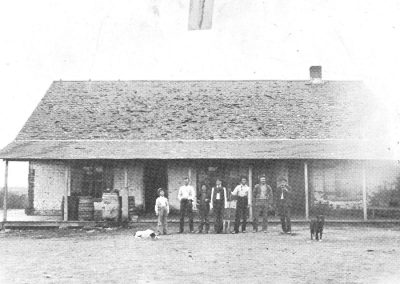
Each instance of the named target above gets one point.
<point>229,212</point>
<point>162,211</point>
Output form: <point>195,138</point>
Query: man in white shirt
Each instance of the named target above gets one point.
<point>187,197</point>
<point>242,193</point>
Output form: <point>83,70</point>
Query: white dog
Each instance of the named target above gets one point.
<point>148,234</point>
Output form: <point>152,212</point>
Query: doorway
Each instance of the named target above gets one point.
<point>154,177</point>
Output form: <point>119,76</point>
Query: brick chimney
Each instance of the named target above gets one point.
<point>316,74</point>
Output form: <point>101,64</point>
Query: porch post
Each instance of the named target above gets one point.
<point>364,190</point>
<point>67,190</point>
<point>251,192</point>
<point>125,207</point>
<point>5,192</point>
<point>306,189</point>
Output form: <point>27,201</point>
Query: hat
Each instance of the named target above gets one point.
<point>159,190</point>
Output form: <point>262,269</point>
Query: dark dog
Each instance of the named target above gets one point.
<point>317,227</point>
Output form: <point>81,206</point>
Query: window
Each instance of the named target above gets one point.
<point>91,179</point>
<point>337,184</point>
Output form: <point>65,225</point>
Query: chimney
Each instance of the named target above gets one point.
<point>316,74</point>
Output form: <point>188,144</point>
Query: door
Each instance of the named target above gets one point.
<point>155,177</point>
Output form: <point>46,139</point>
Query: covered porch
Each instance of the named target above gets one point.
<point>352,190</point>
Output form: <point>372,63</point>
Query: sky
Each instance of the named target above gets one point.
<point>46,40</point>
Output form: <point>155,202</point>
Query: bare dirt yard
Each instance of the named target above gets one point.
<point>347,254</point>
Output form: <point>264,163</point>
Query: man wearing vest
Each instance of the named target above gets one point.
<point>187,197</point>
<point>218,201</point>
<point>242,193</point>
<point>262,195</point>
<point>284,203</point>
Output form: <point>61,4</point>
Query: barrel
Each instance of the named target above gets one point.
<point>86,208</point>
<point>111,206</point>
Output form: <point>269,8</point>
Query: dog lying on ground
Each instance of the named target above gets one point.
<point>147,234</point>
<point>317,227</point>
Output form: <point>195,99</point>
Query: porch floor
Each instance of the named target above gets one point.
<point>17,219</point>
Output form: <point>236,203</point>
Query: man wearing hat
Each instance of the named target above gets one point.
<point>262,195</point>
<point>284,203</point>
<point>218,201</point>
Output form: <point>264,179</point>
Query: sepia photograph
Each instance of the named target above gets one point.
<point>200,141</point>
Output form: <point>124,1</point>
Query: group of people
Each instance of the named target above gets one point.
<point>226,205</point>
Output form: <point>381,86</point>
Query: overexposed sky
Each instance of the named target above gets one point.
<point>46,40</point>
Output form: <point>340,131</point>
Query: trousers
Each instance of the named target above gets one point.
<point>284,212</point>
<point>162,225</point>
<point>186,209</point>
<point>219,214</point>
<point>260,210</point>
<point>204,210</point>
<point>241,213</point>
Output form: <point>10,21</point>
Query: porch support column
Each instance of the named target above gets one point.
<point>125,208</point>
<point>251,192</point>
<point>67,189</point>
<point>5,192</point>
<point>306,189</point>
<point>364,190</point>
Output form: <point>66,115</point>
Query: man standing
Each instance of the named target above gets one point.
<point>242,193</point>
<point>204,208</point>
<point>284,202</point>
<point>262,195</point>
<point>186,196</point>
<point>218,201</point>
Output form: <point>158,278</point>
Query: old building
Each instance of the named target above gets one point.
<point>328,138</point>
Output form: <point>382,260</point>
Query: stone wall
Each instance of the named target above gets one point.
<point>49,187</point>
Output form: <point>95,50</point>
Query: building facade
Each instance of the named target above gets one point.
<point>329,139</point>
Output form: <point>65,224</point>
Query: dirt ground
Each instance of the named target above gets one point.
<point>346,255</point>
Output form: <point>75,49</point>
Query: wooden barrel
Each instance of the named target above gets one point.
<point>111,206</point>
<point>86,208</point>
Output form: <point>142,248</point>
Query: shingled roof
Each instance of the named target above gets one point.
<point>82,111</point>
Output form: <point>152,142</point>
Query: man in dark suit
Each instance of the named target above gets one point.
<point>284,203</point>
<point>218,201</point>
<point>204,208</point>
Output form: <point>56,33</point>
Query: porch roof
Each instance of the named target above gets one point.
<point>199,149</point>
